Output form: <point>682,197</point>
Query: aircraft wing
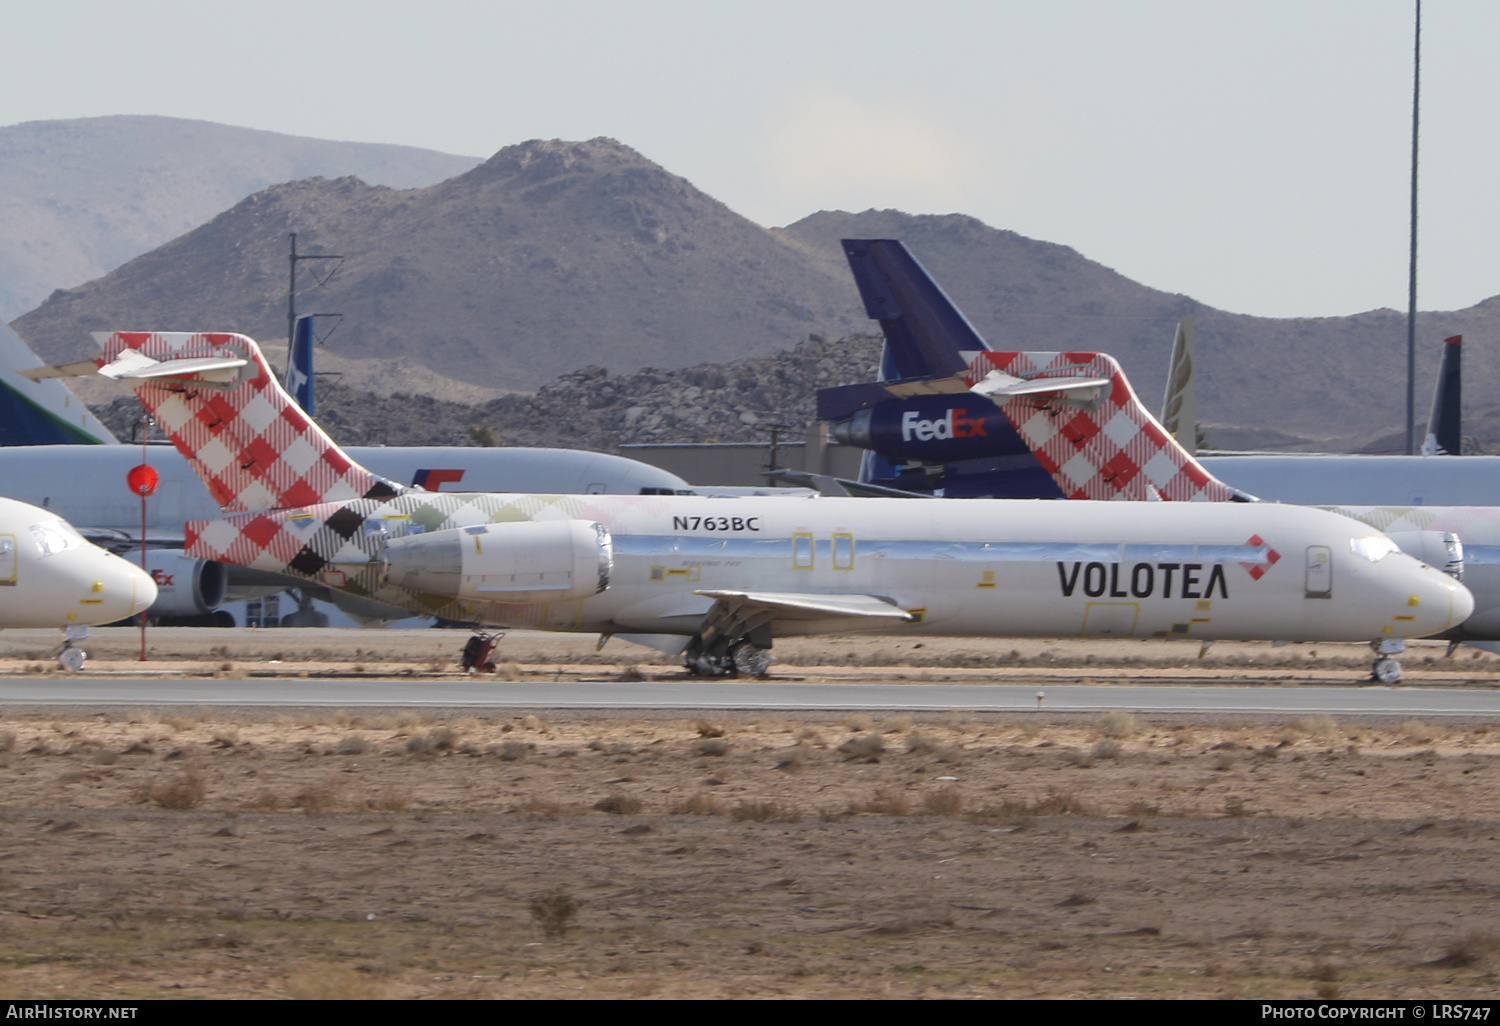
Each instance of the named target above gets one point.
<point>764,606</point>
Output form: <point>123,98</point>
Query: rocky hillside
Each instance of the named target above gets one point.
<point>546,258</point>
<point>593,409</point>
<point>555,256</point>
<point>78,198</point>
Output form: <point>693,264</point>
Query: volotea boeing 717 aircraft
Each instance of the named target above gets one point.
<point>51,577</point>
<point>719,579</point>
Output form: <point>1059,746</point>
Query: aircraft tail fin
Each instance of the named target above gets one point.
<point>251,444</point>
<point>1106,445</point>
<point>299,365</point>
<point>1445,424</point>
<point>40,412</point>
<point>1179,407</point>
<point>925,333</point>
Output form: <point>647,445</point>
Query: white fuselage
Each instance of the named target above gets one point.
<point>1325,480</point>
<point>86,483</point>
<point>977,568</point>
<point>51,577</point>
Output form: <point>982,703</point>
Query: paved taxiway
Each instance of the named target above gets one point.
<point>752,696</point>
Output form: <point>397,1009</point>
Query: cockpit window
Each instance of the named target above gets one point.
<point>1373,547</point>
<point>54,536</point>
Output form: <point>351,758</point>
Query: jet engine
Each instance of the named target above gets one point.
<point>185,586</point>
<point>533,561</point>
<point>1441,549</point>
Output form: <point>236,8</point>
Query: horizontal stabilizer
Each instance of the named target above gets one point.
<point>133,365</point>
<point>78,369</point>
<point>997,382</point>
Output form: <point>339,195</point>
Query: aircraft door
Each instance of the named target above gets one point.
<point>7,559</point>
<point>1319,578</point>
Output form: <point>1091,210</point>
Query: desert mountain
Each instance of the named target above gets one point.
<point>554,256</point>
<point>80,197</point>
<point>547,257</point>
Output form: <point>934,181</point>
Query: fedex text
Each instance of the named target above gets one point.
<point>954,424</point>
<point>1143,580</point>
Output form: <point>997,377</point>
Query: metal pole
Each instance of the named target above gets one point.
<point>1411,289</point>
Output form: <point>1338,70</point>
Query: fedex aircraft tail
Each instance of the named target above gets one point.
<point>925,333</point>
<point>1445,425</point>
<point>255,448</point>
<point>40,412</point>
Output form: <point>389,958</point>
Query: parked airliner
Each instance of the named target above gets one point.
<point>719,579</point>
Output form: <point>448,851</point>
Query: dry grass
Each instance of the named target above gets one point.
<point>883,802</point>
<point>765,812</point>
<point>554,912</point>
<point>334,983</point>
<point>1417,732</point>
<point>947,801</point>
<point>322,797</point>
<point>1106,749</point>
<point>183,791</point>
<point>699,804</point>
<point>1117,724</point>
<point>863,748</point>
<point>620,805</point>
<point>1472,949</point>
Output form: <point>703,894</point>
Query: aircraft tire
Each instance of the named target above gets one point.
<point>72,659</point>
<point>1387,670</point>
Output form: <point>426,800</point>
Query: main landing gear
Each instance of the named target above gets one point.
<point>71,657</point>
<point>476,653</point>
<point>743,658</point>
<point>1386,669</point>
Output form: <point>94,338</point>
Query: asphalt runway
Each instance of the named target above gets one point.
<point>695,695</point>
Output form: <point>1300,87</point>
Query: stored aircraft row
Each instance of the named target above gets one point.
<point>951,412</point>
<point>719,579</point>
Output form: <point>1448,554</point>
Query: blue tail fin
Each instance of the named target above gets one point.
<point>925,334</point>
<point>1445,425</point>
<point>40,412</point>
<point>299,366</point>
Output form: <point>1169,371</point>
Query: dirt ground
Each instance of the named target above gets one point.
<point>160,853</point>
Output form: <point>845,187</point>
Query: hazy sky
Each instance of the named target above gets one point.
<point>1252,155</point>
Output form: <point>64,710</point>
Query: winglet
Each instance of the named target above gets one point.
<point>223,408</point>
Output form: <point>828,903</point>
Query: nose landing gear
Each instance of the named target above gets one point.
<point>71,657</point>
<point>1386,669</point>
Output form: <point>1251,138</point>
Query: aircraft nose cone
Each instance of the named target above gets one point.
<point>1462,600</point>
<point>117,589</point>
<point>140,587</point>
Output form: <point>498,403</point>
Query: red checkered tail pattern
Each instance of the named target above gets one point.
<point>1097,442</point>
<point>255,448</point>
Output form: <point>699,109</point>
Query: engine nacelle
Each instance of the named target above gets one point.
<point>534,561</point>
<point>185,586</point>
<point>1441,549</point>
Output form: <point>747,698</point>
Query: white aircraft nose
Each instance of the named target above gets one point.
<point>1434,603</point>
<point>111,589</point>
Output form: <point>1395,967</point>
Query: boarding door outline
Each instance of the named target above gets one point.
<point>1318,582</point>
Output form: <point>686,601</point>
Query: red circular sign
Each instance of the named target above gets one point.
<point>143,480</point>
